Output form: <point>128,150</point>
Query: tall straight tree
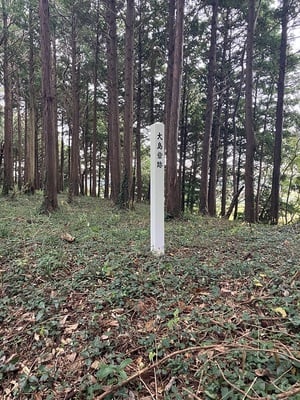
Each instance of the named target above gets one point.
<point>169,78</point>
<point>126,189</point>
<point>279,114</point>
<point>19,132</point>
<point>95,104</point>
<point>8,107</point>
<point>216,129</point>
<point>138,161</point>
<point>173,206</point>
<point>50,192</point>
<point>113,101</point>
<point>203,205</point>
<point>250,136</point>
<point>54,81</point>
<point>29,173</point>
<point>74,166</point>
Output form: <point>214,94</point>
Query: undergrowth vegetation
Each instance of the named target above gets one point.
<point>87,312</point>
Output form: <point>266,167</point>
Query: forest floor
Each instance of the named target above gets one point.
<point>87,312</point>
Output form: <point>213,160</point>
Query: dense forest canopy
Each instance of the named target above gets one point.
<point>222,75</point>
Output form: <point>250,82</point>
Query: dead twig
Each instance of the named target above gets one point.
<point>286,395</point>
<point>282,396</point>
<point>147,388</point>
<point>192,394</point>
<point>246,395</point>
<point>220,348</point>
<point>143,371</point>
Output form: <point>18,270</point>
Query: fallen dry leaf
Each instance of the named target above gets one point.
<point>67,237</point>
<point>150,325</point>
<point>71,357</point>
<point>96,364</point>
<point>71,328</point>
<point>63,320</point>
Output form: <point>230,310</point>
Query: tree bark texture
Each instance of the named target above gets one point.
<point>8,109</point>
<point>95,105</point>
<point>225,155</point>
<point>113,102</point>
<point>74,183</point>
<point>50,191</point>
<point>29,178</point>
<point>126,191</point>
<point>20,141</point>
<point>169,77</point>
<point>173,207</point>
<point>275,192</point>
<point>54,92</point>
<point>183,141</point>
<point>216,129</point>
<point>203,197</point>
<point>250,136</point>
<point>138,158</point>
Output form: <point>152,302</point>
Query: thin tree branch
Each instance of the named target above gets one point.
<point>220,348</point>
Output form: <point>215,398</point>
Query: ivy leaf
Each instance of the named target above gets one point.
<point>105,371</point>
<point>125,363</point>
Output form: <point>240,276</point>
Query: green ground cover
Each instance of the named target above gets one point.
<point>87,312</point>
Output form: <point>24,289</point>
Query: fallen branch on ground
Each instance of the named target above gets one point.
<point>218,348</point>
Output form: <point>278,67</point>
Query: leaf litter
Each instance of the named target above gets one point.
<point>99,317</point>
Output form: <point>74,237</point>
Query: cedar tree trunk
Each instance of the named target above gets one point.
<point>50,191</point>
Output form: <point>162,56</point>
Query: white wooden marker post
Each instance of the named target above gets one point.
<point>157,188</point>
